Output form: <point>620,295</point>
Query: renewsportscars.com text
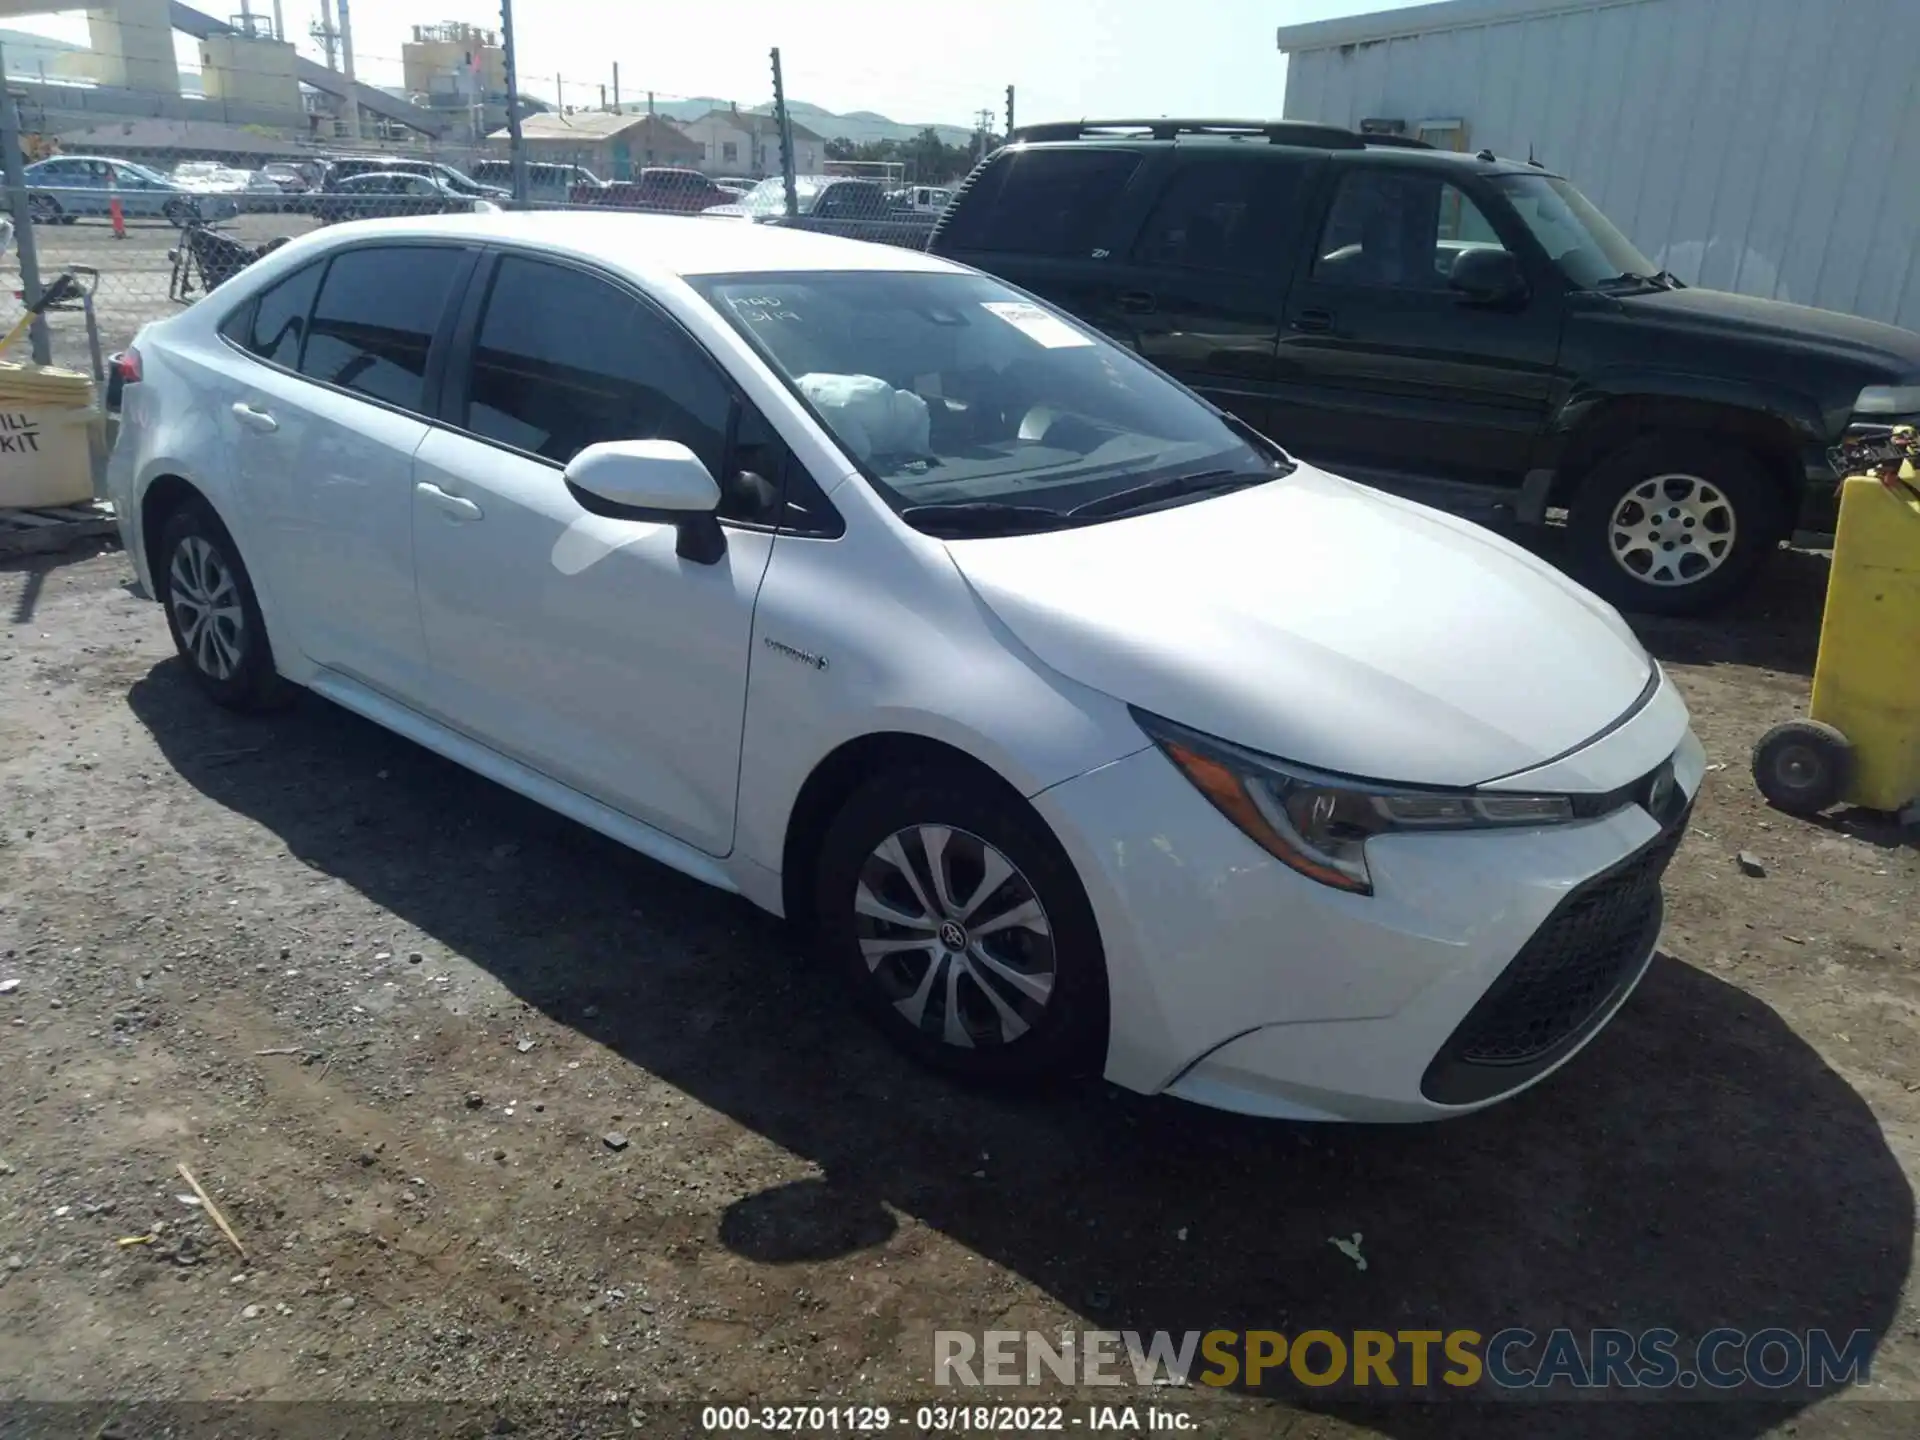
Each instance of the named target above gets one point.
<point>1771,1358</point>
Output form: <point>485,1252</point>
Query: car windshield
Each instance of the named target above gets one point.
<point>1586,246</point>
<point>952,389</point>
<point>769,197</point>
<point>141,172</point>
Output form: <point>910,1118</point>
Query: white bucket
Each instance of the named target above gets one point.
<point>44,456</point>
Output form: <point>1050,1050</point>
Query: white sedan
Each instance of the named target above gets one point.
<point>1081,725</point>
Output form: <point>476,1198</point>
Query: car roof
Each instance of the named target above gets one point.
<point>663,247</point>
<point>1372,153</point>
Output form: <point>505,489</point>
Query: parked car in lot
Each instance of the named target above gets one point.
<point>658,187</point>
<point>547,183</point>
<point>388,192</point>
<point>866,586</point>
<point>836,205</point>
<point>921,199</point>
<point>446,176</point>
<point>1460,327</point>
<point>65,187</point>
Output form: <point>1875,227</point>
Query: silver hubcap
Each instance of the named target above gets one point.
<point>206,604</point>
<point>1672,530</point>
<point>955,936</point>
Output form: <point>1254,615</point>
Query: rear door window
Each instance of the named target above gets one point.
<point>375,320</point>
<point>1233,216</point>
<point>275,324</point>
<point>1041,202</point>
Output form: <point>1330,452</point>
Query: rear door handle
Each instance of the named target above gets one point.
<point>457,507</point>
<point>254,418</point>
<point>1138,302</point>
<point>1313,322</point>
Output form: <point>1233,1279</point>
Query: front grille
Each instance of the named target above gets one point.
<point>1561,982</point>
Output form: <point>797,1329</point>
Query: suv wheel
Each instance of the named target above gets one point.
<point>212,612</point>
<point>1674,524</point>
<point>959,922</point>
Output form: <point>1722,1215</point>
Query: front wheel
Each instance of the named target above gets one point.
<point>213,614</point>
<point>959,922</point>
<point>1674,523</point>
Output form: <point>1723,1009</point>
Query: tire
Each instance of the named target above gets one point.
<point>212,612</point>
<point>1725,511</point>
<point>1045,1015</point>
<point>45,210</point>
<point>181,213</point>
<point>1803,767</point>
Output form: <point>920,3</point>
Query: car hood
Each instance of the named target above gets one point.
<point>1326,624</point>
<point>1724,314</point>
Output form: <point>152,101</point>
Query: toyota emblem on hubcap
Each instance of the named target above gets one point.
<point>952,936</point>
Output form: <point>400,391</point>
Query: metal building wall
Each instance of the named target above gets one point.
<point>1765,146</point>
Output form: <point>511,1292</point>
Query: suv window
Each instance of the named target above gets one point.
<point>375,320</point>
<point>1227,215</point>
<point>564,360</point>
<point>273,326</point>
<point>1398,228</point>
<point>1040,202</point>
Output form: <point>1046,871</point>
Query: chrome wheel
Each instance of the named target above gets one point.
<point>1672,530</point>
<point>955,936</point>
<point>206,605</point>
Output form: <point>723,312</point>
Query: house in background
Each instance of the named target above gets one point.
<point>1763,147</point>
<point>745,142</point>
<point>612,145</point>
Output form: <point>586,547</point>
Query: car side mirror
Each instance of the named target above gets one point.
<point>1487,276</point>
<point>657,480</point>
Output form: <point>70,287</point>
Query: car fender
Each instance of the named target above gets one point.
<point>1799,412</point>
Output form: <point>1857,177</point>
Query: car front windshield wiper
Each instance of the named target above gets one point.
<point>1661,281</point>
<point>961,518</point>
<point>1167,488</point>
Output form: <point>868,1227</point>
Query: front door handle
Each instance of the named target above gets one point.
<point>1138,302</point>
<point>254,418</point>
<point>456,507</point>
<point>1314,322</point>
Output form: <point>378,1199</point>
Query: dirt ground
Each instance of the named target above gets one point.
<point>388,1015</point>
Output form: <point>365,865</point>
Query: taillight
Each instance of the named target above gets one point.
<point>127,366</point>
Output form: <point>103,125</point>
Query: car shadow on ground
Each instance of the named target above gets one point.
<point>1698,1166</point>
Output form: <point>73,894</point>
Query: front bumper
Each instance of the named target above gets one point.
<point>1237,983</point>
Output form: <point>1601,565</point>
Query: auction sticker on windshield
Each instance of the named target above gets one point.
<point>1036,324</point>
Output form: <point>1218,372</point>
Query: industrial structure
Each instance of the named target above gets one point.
<point>250,72</point>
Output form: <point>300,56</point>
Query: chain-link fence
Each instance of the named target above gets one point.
<point>156,228</point>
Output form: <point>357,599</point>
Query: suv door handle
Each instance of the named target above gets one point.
<point>254,418</point>
<point>1314,322</point>
<point>1138,302</point>
<point>457,507</point>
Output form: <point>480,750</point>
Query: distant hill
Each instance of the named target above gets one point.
<point>860,126</point>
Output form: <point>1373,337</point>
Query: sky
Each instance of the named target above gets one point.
<point>938,62</point>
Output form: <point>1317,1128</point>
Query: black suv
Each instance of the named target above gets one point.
<point>1464,329</point>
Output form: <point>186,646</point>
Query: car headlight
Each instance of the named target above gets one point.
<point>1888,400</point>
<point>1319,824</point>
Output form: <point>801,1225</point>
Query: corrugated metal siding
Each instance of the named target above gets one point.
<point>1768,146</point>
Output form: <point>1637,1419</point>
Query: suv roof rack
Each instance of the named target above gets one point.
<point>1275,132</point>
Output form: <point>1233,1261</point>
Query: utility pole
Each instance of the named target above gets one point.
<point>328,37</point>
<point>1009,112</point>
<point>786,136</point>
<point>985,119</point>
<point>346,69</point>
<point>23,237</point>
<point>516,147</point>
<point>603,97</point>
<point>616,87</point>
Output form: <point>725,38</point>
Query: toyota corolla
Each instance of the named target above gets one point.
<point>1082,726</point>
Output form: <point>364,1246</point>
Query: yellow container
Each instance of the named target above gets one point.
<point>1866,683</point>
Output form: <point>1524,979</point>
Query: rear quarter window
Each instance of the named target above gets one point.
<point>1040,202</point>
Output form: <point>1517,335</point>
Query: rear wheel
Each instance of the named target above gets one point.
<point>212,612</point>
<point>1674,523</point>
<point>959,922</point>
<point>44,209</point>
